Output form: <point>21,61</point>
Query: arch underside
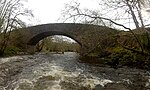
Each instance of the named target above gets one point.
<point>37,38</point>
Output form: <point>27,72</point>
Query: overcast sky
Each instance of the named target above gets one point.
<point>48,11</point>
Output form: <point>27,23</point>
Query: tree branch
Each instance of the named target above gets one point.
<point>115,24</point>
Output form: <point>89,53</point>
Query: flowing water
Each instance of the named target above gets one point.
<point>64,72</point>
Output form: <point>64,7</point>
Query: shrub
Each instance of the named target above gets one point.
<point>123,57</point>
<point>120,56</point>
<point>11,50</point>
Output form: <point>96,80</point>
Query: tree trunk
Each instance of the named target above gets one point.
<point>133,15</point>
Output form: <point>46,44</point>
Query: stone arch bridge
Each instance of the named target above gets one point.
<point>86,35</point>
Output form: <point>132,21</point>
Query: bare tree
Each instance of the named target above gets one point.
<point>124,11</point>
<point>112,13</point>
<point>10,10</point>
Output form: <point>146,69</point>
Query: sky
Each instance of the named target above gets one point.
<point>48,11</point>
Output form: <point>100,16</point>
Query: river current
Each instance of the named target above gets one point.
<point>47,71</point>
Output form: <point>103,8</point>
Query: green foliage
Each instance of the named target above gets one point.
<point>118,56</point>
<point>121,56</point>
<point>125,57</point>
<point>11,50</point>
<point>145,41</point>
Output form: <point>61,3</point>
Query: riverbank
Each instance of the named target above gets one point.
<point>117,62</point>
<point>121,58</point>
<point>64,72</point>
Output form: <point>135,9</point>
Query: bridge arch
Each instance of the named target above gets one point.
<point>87,35</point>
<point>34,40</point>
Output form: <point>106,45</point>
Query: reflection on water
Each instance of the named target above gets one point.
<point>57,72</point>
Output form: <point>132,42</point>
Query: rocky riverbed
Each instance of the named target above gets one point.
<point>64,72</point>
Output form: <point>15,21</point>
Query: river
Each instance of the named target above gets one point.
<point>46,71</point>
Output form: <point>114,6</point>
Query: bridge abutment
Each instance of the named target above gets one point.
<point>83,51</point>
<point>30,49</point>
